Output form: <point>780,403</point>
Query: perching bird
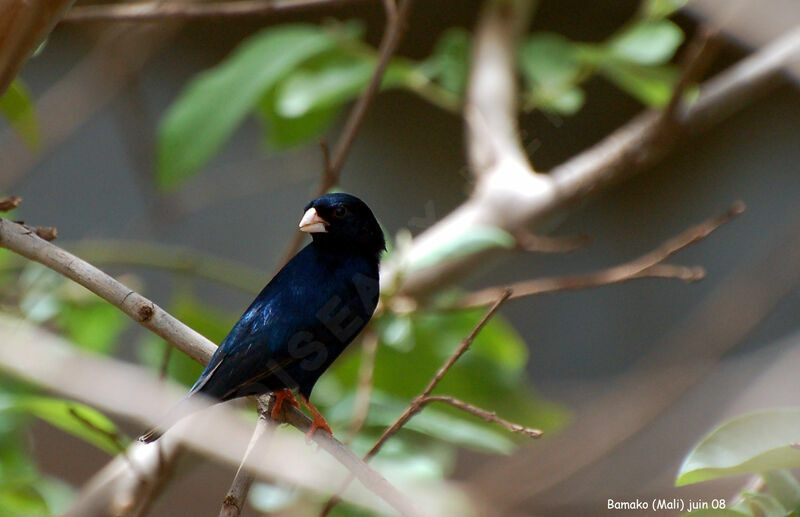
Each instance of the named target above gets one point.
<point>306,315</point>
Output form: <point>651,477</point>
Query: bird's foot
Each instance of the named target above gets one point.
<point>319,421</point>
<point>282,396</point>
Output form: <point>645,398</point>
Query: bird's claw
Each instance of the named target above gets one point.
<point>282,396</point>
<point>317,423</point>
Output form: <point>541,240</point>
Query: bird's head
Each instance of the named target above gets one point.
<point>342,220</point>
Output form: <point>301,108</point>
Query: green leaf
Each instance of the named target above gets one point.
<point>651,42</point>
<point>22,501</point>
<point>549,60</point>
<point>281,132</point>
<point>215,102</point>
<point>17,106</point>
<point>764,505</point>
<point>95,326</point>
<point>552,69</point>
<point>79,420</point>
<point>756,442</point>
<point>783,485</point>
<point>272,498</point>
<point>471,240</point>
<point>448,64</point>
<point>652,86</point>
<point>660,8</point>
<point>333,85</point>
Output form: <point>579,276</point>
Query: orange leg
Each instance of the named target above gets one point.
<point>282,396</point>
<point>319,420</point>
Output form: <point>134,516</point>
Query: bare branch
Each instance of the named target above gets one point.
<point>647,266</point>
<point>237,494</point>
<point>489,416</point>
<point>152,11</point>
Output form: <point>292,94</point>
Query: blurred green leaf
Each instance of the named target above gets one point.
<point>209,322</point>
<point>660,8</point>
<point>22,501</point>
<point>651,42</point>
<point>468,242</point>
<point>282,132</point>
<point>197,124</point>
<point>552,70</point>
<point>784,487</point>
<point>17,106</point>
<point>764,505</point>
<point>756,442</point>
<point>335,83</point>
<point>95,325</point>
<point>549,60</point>
<point>271,498</point>
<point>651,85</point>
<point>448,64</point>
<point>77,419</point>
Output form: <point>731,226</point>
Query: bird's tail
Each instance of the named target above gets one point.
<point>179,411</point>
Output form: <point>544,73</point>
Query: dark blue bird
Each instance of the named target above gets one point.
<point>306,315</point>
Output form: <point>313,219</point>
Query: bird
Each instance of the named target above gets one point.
<point>305,316</point>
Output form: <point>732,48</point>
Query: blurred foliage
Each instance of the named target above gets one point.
<point>17,106</point>
<point>297,78</point>
<point>764,443</point>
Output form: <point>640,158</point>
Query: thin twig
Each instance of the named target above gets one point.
<point>237,494</point>
<point>419,401</point>
<point>332,166</point>
<point>159,10</point>
<point>527,241</point>
<point>698,57</point>
<point>369,351</point>
<point>647,266</point>
<point>489,416</point>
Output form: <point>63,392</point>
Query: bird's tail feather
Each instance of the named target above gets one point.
<point>179,411</point>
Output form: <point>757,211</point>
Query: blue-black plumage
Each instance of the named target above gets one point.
<point>307,314</point>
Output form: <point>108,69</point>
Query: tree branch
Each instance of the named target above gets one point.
<point>237,494</point>
<point>19,240</point>
<point>510,195</point>
<point>167,11</point>
<point>648,265</point>
<point>489,416</point>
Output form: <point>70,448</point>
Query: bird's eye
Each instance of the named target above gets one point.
<point>340,211</point>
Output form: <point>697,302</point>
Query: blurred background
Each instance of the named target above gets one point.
<point>97,166</point>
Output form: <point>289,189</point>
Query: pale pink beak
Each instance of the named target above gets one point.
<point>312,222</point>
